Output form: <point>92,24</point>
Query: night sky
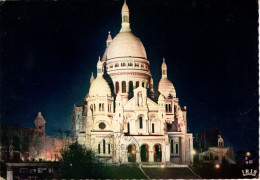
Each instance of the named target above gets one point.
<point>48,51</point>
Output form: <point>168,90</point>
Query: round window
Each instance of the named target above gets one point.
<point>102,126</point>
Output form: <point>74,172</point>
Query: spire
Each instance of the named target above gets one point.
<point>164,69</point>
<point>92,78</point>
<point>109,39</point>
<point>125,26</point>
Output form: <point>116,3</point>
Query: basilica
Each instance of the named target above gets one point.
<point>123,119</point>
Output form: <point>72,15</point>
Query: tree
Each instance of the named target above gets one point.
<point>78,162</point>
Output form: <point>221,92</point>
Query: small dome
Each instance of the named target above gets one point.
<point>99,87</point>
<point>166,88</point>
<point>126,44</point>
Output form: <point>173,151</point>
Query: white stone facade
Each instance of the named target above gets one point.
<point>122,118</point>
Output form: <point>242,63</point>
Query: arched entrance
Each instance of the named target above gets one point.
<point>144,153</point>
<point>157,153</point>
<point>131,153</point>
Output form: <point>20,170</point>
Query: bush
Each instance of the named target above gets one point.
<point>78,162</point>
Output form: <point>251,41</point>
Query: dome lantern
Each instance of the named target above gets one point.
<point>100,68</point>
<point>92,78</point>
<point>109,39</point>
<point>125,19</point>
<point>164,69</point>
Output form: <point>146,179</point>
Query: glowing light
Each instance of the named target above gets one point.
<point>133,152</point>
<point>248,153</point>
<point>70,165</point>
<point>193,152</point>
<point>162,166</point>
<point>217,166</point>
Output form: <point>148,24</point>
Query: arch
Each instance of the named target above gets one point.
<point>117,87</point>
<point>123,87</point>
<point>131,153</point>
<point>144,153</point>
<point>157,153</point>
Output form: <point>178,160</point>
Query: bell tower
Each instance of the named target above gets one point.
<point>39,123</point>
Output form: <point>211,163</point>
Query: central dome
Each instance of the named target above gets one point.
<point>126,44</point>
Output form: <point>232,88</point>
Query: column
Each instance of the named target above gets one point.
<point>151,155</point>
<point>9,174</point>
<point>182,149</point>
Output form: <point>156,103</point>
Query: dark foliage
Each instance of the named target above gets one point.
<point>78,162</point>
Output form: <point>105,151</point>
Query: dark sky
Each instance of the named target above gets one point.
<point>48,51</point>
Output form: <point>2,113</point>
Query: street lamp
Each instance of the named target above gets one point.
<point>248,153</point>
<point>217,166</point>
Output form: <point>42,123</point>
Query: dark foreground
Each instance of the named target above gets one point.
<point>224,172</point>
<point>170,173</point>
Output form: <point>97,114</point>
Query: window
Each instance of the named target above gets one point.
<point>108,148</point>
<point>171,146</point>
<point>94,107</point>
<point>116,65</point>
<point>128,128</point>
<point>137,84</point>
<point>125,19</point>
<point>152,127</point>
<point>143,84</point>
<point>98,148</point>
<point>130,64</point>
<point>142,66</point>
<point>177,148</point>
<point>32,171</point>
<point>117,87</point>
<point>99,106</point>
<point>102,125</point>
<point>168,108</point>
<point>123,64</point>
<point>131,88</point>
<point>123,87</point>
<point>23,170</point>
<point>111,66</point>
<point>104,146</point>
<point>136,64</point>
<point>103,107</point>
<point>50,170</point>
<point>141,122</point>
<point>40,170</point>
<point>109,108</point>
<point>164,72</point>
